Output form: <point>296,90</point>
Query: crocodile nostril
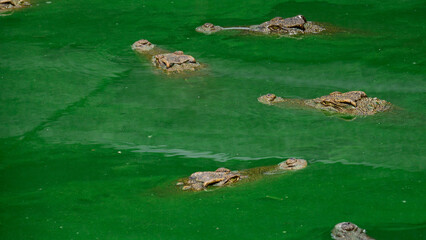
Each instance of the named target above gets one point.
<point>348,226</point>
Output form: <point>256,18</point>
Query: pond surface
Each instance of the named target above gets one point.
<point>93,138</point>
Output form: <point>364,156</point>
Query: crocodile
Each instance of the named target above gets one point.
<point>12,4</point>
<point>222,176</point>
<point>283,26</point>
<point>354,103</point>
<point>169,62</point>
<point>349,231</point>
<point>142,46</point>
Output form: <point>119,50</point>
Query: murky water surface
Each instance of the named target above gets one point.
<point>92,138</point>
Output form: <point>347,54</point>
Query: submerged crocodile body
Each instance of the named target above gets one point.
<point>201,180</point>
<point>222,176</point>
<point>278,25</point>
<point>355,103</point>
<point>169,62</point>
<point>349,231</point>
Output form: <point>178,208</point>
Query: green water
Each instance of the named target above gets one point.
<point>92,138</point>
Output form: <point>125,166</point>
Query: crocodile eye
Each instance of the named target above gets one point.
<point>223,170</point>
<point>270,96</point>
<point>301,17</point>
<point>274,27</point>
<point>291,161</point>
<point>277,18</point>
<point>143,42</point>
<point>208,25</point>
